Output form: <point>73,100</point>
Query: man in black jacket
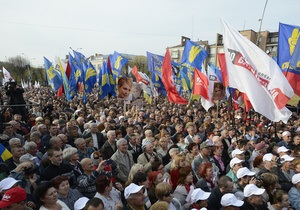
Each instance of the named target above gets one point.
<point>253,198</point>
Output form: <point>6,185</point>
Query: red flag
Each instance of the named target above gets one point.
<point>60,91</point>
<point>167,79</point>
<point>223,68</point>
<point>200,84</point>
<point>294,80</point>
<point>68,70</point>
<point>247,102</point>
<point>138,77</point>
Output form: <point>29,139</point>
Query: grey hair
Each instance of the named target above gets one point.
<point>36,134</point>
<point>53,140</point>
<point>30,145</point>
<point>76,142</point>
<point>92,125</point>
<point>68,152</point>
<point>120,141</point>
<point>14,140</point>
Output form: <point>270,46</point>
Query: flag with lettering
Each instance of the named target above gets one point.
<point>253,72</point>
<point>53,76</point>
<point>289,54</point>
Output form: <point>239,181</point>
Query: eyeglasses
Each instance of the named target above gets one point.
<point>167,194</point>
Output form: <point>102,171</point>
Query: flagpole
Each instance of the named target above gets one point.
<point>261,20</point>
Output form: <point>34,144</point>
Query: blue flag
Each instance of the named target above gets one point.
<point>157,83</point>
<point>117,61</point>
<point>216,71</point>
<point>295,59</point>
<point>4,153</point>
<point>287,40</point>
<point>193,55</point>
<point>105,80</point>
<point>75,77</point>
<point>80,59</point>
<point>90,76</point>
<point>155,63</point>
<point>53,76</point>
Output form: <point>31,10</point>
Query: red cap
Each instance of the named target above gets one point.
<point>13,195</point>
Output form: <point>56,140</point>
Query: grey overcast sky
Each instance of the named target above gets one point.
<point>48,28</point>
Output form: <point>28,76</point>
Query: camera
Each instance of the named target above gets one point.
<point>259,178</point>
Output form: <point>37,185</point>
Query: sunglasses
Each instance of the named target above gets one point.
<point>167,194</point>
<point>97,157</point>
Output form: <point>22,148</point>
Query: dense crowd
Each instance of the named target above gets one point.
<point>105,154</point>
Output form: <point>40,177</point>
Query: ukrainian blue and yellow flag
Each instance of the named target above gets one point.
<point>4,153</point>
<point>75,77</point>
<point>155,63</point>
<point>64,77</point>
<point>117,61</point>
<point>90,76</point>
<point>157,83</point>
<point>105,80</point>
<point>193,55</point>
<point>80,59</point>
<point>53,76</point>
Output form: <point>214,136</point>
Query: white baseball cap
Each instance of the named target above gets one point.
<point>199,194</point>
<point>7,183</point>
<point>229,199</point>
<point>286,158</point>
<point>268,157</point>
<point>252,189</point>
<point>131,189</point>
<point>235,161</point>
<point>80,203</point>
<point>282,149</point>
<point>236,152</point>
<point>286,133</point>
<point>296,178</point>
<point>244,172</point>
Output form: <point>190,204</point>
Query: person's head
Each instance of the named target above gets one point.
<point>179,161</point>
<point>185,176</point>
<point>94,204</point>
<point>286,162</point>
<point>14,198</point>
<point>253,195</point>
<point>70,154</point>
<point>269,181</point>
<point>244,175</point>
<point>46,193</point>
<point>134,195</point>
<point>62,185</point>
<point>137,167</point>
<point>55,155</point>
<point>225,184</point>
<point>164,192</point>
<point>235,164</point>
<point>141,179</point>
<point>30,147</point>
<point>269,161</point>
<point>80,144</point>
<point>155,177</point>
<point>230,202</point>
<point>122,145</point>
<point>205,170</point>
<point>147,146</point>
<point>238,154</point>
<point>87,165</point>
<point>281,198</point>
<point>17,151</point>
<point>124,87</point>
<point>258,162</point>
<point>206,148</point>
<point>55,141</point>
<point>199,198</point>
<point>193,148</point>
<point>103,184</point>
<point>296,140</point>
<point>287,136</point>
<point>111,136</point>
<point>13,142</point>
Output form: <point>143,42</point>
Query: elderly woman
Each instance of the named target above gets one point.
<point>148,156</point>
<point>83,151</point>
<point>48,197</point>
<point>206,183</point>
<point>66,194</point>
<point>134,169</point>
<point>110,196</point>
<point>71,156</point>
<point>164,192</point>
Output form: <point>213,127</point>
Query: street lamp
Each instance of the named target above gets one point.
<point>28,67</point>
<point>261,21</point>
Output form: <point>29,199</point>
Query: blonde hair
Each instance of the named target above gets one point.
<point>134,169</point>
<point>160,205</point>
<point>176,160</point>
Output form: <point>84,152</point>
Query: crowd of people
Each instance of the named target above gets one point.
<point>107,155</point>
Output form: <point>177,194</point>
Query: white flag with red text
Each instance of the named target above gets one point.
<point>6,76</point>
<point>253,72</point>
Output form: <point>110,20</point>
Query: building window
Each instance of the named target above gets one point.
<point>175,54</point>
